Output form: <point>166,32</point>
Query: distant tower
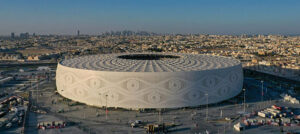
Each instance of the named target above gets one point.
<point>24,35</point>
<point>78,33</point>
<point>12,35</point>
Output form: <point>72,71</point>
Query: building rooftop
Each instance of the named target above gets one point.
<point>150,62</point>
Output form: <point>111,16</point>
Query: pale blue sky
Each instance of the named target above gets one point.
<point>161,16</point>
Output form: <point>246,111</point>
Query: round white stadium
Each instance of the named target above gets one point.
<point>149,80</point>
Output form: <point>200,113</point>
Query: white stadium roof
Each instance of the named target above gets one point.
<point>150,62</point>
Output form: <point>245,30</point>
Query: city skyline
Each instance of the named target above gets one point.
<point>196,17</point>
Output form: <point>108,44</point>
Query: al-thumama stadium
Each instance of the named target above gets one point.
<point>149,80</point>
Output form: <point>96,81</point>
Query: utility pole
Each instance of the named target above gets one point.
<point>206,106</point>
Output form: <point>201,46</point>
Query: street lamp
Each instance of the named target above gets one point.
<point>244,100</point>
<point>206,106</point>
<point>106,107</point>
<point>100,103</point>
<point>37,91</point>
<point>262,90</point>
<point>159,115</point>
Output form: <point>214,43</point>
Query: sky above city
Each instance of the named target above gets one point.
<point>160,16</point>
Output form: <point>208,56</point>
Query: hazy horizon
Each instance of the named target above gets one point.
<point>93,17</point>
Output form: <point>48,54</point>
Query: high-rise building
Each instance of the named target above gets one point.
<point>24,35</point>
<point>78,33</point>
<point>12,35</point>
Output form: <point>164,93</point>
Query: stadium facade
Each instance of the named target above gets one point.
<point>149,80</point>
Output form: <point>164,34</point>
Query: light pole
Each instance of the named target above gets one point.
<point>100,103</point>
<point>106,107</point>
<point>244,100</point>
<point>31,84</point>
<point>206,106</point>
<point>262,90</point>
<point>221,113</point>
<point>37,91</point>
<point>159,115</point>
<point>100,100</point>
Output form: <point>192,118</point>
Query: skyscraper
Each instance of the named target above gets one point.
<point>24,35</point>
<point>78,33</point>
<point>12,35</point>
